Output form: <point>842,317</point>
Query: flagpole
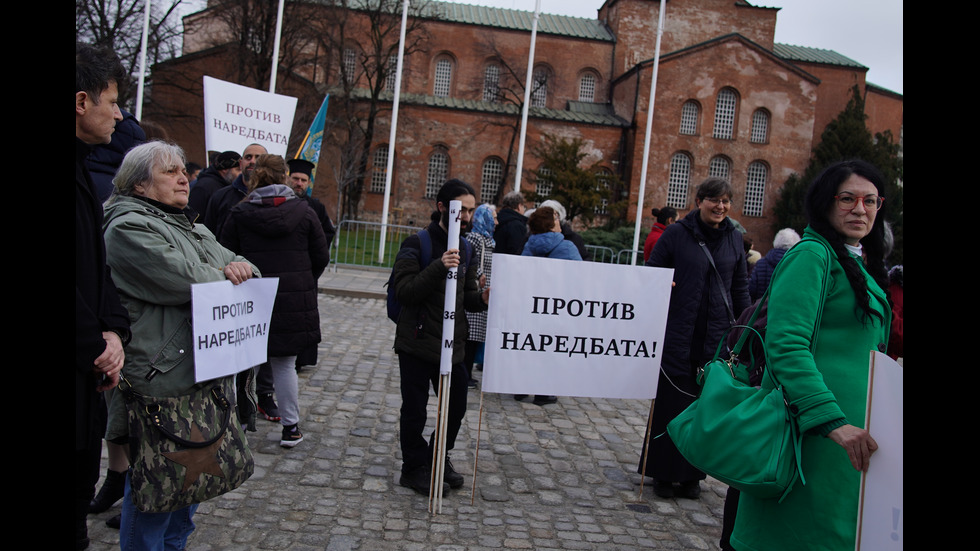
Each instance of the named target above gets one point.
<point>139,87</point>
<point>275,50</point>
<point>527,97</point>
<point>391,137</point>
<point>646,139</point>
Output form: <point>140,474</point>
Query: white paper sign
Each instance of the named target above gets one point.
<point>236,116</point>
<point>231,325</point>
<point>881,515</point>
<point>568,328</point>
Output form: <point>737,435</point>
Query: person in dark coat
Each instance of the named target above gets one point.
<point>420,286</point>
<point>281,235</point>
<point>697,318</point>
<point>222,200</point>
<point>762,273</point>
<point>101,321</point>
<point>105,159</point>
<point>511,231</point>
<point>301,174</point>
<point>219,175</point>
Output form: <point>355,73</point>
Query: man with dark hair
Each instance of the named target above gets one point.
<point>101,322</point>
<point>220,174</point>
<point>420,287</point>
<point>511,231</point>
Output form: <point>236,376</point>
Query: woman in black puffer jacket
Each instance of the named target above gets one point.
<point>281,235</point>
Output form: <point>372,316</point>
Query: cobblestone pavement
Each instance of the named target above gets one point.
<point>561,476</point>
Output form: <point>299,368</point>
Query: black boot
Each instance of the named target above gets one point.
<point>110,493</point>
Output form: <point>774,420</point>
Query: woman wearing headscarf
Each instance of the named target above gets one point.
<point>156,253</point>
<point>481,237</point>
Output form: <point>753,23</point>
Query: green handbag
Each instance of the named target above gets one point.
<point>744,436</point>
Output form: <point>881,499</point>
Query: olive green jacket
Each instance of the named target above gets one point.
<point>155,257</point>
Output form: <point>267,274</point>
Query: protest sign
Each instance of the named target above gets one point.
<point>236,116</point>
<point>231,325</point>
<point>567,328</point>
<point>881,515</point>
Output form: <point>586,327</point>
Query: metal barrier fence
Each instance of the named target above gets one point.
<point>356,244</point>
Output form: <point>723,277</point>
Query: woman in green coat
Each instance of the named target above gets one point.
<point>829,385</point>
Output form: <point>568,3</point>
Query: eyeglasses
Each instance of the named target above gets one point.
<point>717,200</point>
<point>848,202</point>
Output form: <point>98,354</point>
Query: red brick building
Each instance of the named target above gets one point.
<point>729,102</point>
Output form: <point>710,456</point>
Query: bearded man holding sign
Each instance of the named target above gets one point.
<point>420,287</point>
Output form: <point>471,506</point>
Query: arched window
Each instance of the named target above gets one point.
<point>678,181</point>
<point>493,172</point>
<point>720,167</point>
<point>491,83</point>
<point>438,172</point>
<point>604,177</point>
<point>725,106</point>
<point>755,189</point>
<point>760,126</point>
<point>350,64</point>
<point>586,88</point>
<point>689,118</point>
<point>543,184</point>
<point>443,78</point>
<point>391,73</point>
<point>539,90</point>
<point>379,165</point>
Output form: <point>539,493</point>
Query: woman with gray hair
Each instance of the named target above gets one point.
<point>156,252</point>
<point>762,273</point>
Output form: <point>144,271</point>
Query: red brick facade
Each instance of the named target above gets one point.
<point>715,55</point>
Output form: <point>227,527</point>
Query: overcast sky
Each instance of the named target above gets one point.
<point>867,31</point>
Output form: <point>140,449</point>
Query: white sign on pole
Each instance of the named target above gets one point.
<point>236,116</point>
<point>231,325</point>
<point>881,514</point>
<point>567,328</point>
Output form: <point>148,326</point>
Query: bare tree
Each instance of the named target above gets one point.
<point>119,24</point>
<point>509,89</point>
<point>363,36</point>
<point>248,28</point>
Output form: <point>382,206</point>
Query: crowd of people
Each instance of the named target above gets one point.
<point>149,225</point>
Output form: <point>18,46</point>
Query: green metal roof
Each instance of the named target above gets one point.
<point>518,20</point>
<point>598,114</point>
<point>813,55</point>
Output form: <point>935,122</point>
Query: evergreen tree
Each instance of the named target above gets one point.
<point>847,137</point>
<point>580,189</point>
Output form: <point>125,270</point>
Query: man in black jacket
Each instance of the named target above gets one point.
<point>511,231</point>
<point>222,172</point>
<point>101,322</point>
<point>420,287</point>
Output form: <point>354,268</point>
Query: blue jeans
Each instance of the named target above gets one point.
<point>141,531</point>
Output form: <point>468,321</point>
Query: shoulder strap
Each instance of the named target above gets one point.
<point>425,244</point>
<point>721,288</point>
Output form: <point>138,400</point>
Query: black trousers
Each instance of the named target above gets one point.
<point>87,465</point>
<point>664,462</point>
<point>417,377</point>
